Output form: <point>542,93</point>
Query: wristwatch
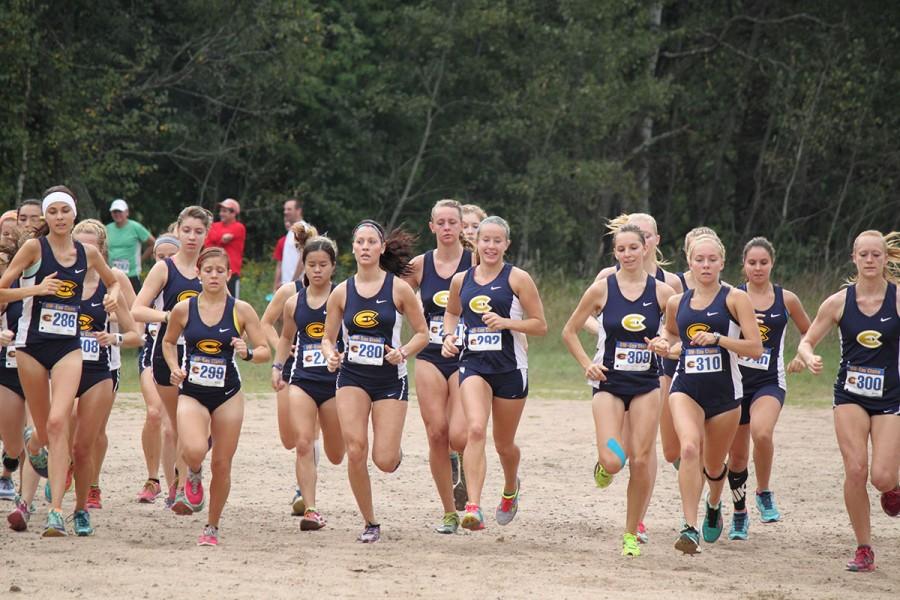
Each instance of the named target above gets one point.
<point>717,335</point>
<point>249,356</point>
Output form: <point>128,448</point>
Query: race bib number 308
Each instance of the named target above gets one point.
<point>90,347</point>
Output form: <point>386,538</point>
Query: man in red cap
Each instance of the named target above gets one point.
<point>230,234</point>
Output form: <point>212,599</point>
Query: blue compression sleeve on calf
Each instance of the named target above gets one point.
<point>613,445</point>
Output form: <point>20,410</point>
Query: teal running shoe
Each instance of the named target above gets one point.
<point>82,520</point>
<point>56,525</point>
<point>450,523</point>
<point>688,541</point>
<point>712,523</point>
<point>740,526</point>
<point>38,461</point>
<point>768,511</point>
<point>473,520</point>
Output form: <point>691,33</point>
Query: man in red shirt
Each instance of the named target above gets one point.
<point>230,234</point>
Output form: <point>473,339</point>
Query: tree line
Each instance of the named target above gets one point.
<point>770,117</point>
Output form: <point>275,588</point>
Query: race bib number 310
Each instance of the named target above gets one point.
<point>698,361</point>
<point>60,319</point>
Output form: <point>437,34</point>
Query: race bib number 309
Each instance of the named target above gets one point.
<point>632,356</point>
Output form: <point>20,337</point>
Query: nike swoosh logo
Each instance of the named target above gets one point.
<point>224,330</point>
<point>646,303</point>
<point>775,315</point>
<point>712,314</point>
<point>81,271</point>
<point>97,304</point>
<point>380,301</point>
<point>496,287</point>
<point>391,394</point>
<point>885,319</point>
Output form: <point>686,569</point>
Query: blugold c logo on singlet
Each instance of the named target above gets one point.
<point>696,328</point>
<point>209,346</point>
<point>66,289</point>
<point>366,319</point>
<point>634,322</point>
<point>869,338</point>
<point>187,294</point>
<point>764,332</point>
<point>85,322</point>
<point>480,304</point>
<point>316,330</point>
<point>441,298</point>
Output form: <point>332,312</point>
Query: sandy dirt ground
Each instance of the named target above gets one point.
<point>564,543</point>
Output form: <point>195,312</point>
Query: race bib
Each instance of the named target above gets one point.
<point>698,361</point>
<point>208,371</point>
<point>436,331</point>
<point>632,356</point>
<point>482,339</point>
<point>11,358</point>
<point>153,329</point>
<point>123,264</point>
<point>761,363</point>
<point>865,381</point>
<point>60,319</point>
<point>312,356</point>
<point>90,346</point>
<point>366,350</point>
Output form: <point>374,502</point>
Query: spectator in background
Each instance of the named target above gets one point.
<point>286,254</point>
<point>125,239</point>
<point>230,234</point>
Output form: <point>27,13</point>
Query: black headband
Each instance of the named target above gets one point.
<point>370,223</point>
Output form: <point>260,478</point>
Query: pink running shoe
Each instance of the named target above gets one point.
<point>93,500</point>
<point>642,536</point>
<point>209,537</point>
<point>864,561</point>
<point>18,518</point>
<point>312,520</point>
<point>193,490</point>
<point>150,492</point>
<point>890,502</point>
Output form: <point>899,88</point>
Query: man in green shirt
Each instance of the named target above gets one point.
<point>125,238</point>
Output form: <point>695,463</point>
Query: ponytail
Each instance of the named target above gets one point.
<point>398,252</point>
<point>891,243</point>
<point>303,232</point>
<point>614,225</point>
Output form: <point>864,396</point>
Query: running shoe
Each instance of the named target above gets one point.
<point>370,535</point>
<point>82,520</point>
<point>38,461</point>
<point>688,541</point>
<point>642,536</point>
<point>765,502</point>
<point>56,525</point>
<point>630,545</point>
<point>473,520</point>
<point>712,523</point>
<point>602,479</point>
<point>209,537</point>
<point>7,489</point>
<point>890,502</point>
<point>150,492</point>
<point>449,524</point>
<point>18,518</point>
<point>508,507</point>
<point>170,497</point>
<point>298,506</point>
<point>193,490</point>
<point>460,492</point>
<point>312,520</point>
<point>181,506</point>
<point>740,526</point>
<point>93,500</point>
<point>864,561</point>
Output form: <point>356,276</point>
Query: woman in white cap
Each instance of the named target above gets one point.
<point>126,238</point>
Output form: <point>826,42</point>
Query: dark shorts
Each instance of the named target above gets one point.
<point>91,377</point>
<point>9,378</point>
<point>161,373</point>
<point>626,398</point>
<point>115,377</point>
<point>288,367</point>
<point>210,398</point>
<point>751,396</point>
<point>49,353</point>
<point>135,283</point>
<point>320,391</point>
<point>512,385</point>
<point>873,406</point>
<point>143,358</point>
<point>669,367</point>
<point>379,389</point>
<point>447,369</point>
<point>713,402</point>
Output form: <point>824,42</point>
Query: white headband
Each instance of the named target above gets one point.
<point>59,197</point>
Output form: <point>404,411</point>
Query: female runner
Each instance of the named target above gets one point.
<point>472,216</point>
<point>625,372</point>
<point>302,231</point>
<point>156,421</point>
<point>210,401</point>
<point>95,390</point>
<point>311,386</point>
<point>867,389</point>
<point>48,350</point>
<point>168,283</point>
<point>12,398</point>
<point>495,301</point>
<point>372,377</point>
<point>764,381</point>
<point>437,377</point>
<point>706,392</point>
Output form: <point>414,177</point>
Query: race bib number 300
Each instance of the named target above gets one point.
<point>60,319</point>
<point>632,356</point>
<point>865,381</point>
<point>365,350</point>
<point>207,371</point>
<point>698,361</point>
<point>482,339</point>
